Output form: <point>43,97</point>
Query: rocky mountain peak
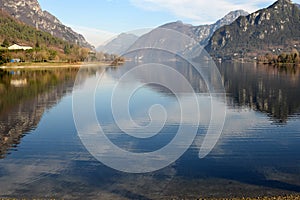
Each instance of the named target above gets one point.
<point>203,33</point>
<point>282,2</point>
<point>281,5</point>
<point>272,29</point>
<point>228,19</point>
<point>31,13</point>
<point>32,5</point>
<point>206,31</point>
<point>231,16</point>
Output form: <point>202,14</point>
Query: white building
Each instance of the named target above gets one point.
<point>18,47</point>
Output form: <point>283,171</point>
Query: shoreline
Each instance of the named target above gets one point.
<point>53,65</point>
<point>259,63</point>
<point>288,197</point>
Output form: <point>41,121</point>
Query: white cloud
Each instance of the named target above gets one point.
<point>94,36</point>
<point>200,11</point>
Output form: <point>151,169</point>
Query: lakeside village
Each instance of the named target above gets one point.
<point>16,53</point>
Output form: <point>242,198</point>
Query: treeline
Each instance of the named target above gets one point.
<point>45,46</point>
<point>43,55</point>
<point>283,58</point>
<point>105,57</point>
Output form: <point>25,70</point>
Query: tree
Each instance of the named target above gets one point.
<point>53,54</point>
<point>100,56</point>
<point>118,61</point>
<point>41,56</point>
<point>83,54</point>
<point>297,60</point>
<point>37,44</point>
<point>5,43</point>
<point>67,49</point>
<point>282,58</point>
<point>295,53</point>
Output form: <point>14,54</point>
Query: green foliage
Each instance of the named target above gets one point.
<point>271,30</point>
<point>16,32</point>
<point>67,49</point>
<point>46,46</point>
<point>37,44</point>
<point>5,43</point>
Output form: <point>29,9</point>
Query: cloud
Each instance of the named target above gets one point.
<point>94,36</point>
<point>200,11</point>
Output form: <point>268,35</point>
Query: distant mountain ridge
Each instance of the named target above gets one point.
<point>30,12</point>
<point>119,45</point>
<point>271,30</point>
<point>203,33</point>
<point>200,33</point>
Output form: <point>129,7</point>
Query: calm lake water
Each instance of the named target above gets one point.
<point>41,155</point>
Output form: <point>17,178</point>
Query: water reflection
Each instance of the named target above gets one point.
<point>25,96</point>
<point>254,157</point>
<point>267,89</point>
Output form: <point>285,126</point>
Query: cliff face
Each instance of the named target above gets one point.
<point>276,28</point>
<point>30,12</point>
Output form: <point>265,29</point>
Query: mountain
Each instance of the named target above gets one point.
<point>14,31</point>
<point>119,45</point>
<point>203,33</point>
<point>199,33</point>
<point>271,30</point>
<point>30,12</point>
<point>179,26</point>
<point>46,47</point>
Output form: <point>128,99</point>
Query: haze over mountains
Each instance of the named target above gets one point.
<point>200,33</point>
<point>120,44</point>
<point>30,12</point>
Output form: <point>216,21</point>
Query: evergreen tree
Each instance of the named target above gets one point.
<point>5,43</point>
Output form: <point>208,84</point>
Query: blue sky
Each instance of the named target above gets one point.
<point>99,20</point>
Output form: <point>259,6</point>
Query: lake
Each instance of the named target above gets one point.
<point>42,155</point>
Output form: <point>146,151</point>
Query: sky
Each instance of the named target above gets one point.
<point>100,20</point>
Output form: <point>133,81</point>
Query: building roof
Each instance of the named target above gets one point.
<point>18,47</point>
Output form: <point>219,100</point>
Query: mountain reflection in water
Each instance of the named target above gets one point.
<point>257,154</point>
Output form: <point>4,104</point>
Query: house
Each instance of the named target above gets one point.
<point>18,47</point>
